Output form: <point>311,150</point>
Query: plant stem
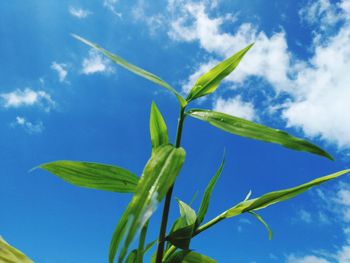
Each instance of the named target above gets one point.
<point>208,224</point>
<point>162,231</point>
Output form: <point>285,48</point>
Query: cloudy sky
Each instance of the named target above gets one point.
<point>61,100</point>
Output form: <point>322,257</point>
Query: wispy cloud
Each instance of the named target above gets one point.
<point>96,63</point>
<point>29,127</point>
<point>61,70</point>
<point>27,97</point>
<point>110,4</point>
<point>79,12</point>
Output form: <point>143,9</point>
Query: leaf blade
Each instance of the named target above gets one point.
<point>158,176</point>
<point>138,71</point>
<point>249,129</point>
<point>187,256</point>
<point>268,228</point>
<point>158,128</point>
<point>207,194</point>
<point>10,254</point>
<point>210,81</point>
<point>93,175</point>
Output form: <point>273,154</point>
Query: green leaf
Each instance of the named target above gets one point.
<point>158,176</point>
<point>93,175</point>
<point>209,82</point>
<point>158,129</point>
<point>143,73</point>
<point>278,196</point>
<point>207,194</point>
<point>263,222</point>
<point>256,131</point>
<point>10,254</point>
<point>132,257</point>
<point>182,230</point>
<point>187,213</point>
<point>187,256</point>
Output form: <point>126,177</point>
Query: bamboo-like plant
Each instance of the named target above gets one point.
<point>160,172</point>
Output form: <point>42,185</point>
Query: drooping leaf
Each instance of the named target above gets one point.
<point>209,82</point>
<point>143,73</point>
<point>93,175</point>
<point>187,256</point>
<point>207,194</point>
<point>278,196</point>
<point>269,230</point>
<point>158,176</point>
<point>9,254</point>
<point>158,129</point>
<point>256,131</point>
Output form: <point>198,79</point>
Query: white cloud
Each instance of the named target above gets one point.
<point>79,12</point>
<point>321,91</point>
<point>317,89</point>
<point>306,259</point>
<point>31,128</point>
<point>110,4</point>
<point>61,70</point>
<point>96,63</point>
<point>236,107</point>
<point>269,58</point>
<point>27,97</point>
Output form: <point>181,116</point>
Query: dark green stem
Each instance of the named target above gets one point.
<point>162,231</point>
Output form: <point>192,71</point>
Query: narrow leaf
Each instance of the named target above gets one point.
<point>143,73</point>
<point>93,175</point>
<point>209,82</point>
<point>132,257</point>
<point>10,254</point>
<point>158,129</point>
<point>207,194</point>
<point>158,176</point>
<point>278,196</point>
<point>187,256</point>
<point>263,222</point>
<point>256,131</point>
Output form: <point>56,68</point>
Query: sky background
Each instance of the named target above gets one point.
<point>61,100</point>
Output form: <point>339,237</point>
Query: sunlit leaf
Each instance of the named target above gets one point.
<point>256,131</point>
<point>187,256</point>
<point>209,82</point>
<point>143,73</point>
<point>158,129</point>
<point>278,196</point>
<point>93,175</point>
<point>132,257</point>
<point>207,194</point>
<point>263,222</point>
<point>158,176</point>
<point>9,254</point>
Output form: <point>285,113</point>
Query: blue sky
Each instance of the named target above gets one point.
<point>61,100</point>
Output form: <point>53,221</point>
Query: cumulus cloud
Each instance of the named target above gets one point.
<point>79,12</point>
<point>27,97</point>
<point>321,90</point>
<point>269,58</point>
<point>96,63</point>
<point>61,70</point>
<point>315,91</point>
<point>235,106</point>
<point>29,127</point>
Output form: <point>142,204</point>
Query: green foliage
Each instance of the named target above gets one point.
<point>210,81</point>
<point>9,254</point>
<point>93,175</point>
<point>160,173</point>
<point>256,131</point>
